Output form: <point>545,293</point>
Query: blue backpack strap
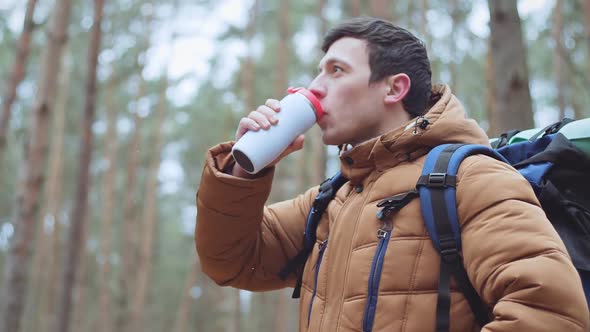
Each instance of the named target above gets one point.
<point>437,189</point>
<point>328,190</point>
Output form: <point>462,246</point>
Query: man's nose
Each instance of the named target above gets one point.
<point>317,89</point>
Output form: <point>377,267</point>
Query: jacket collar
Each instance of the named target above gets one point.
<point>446,123</point>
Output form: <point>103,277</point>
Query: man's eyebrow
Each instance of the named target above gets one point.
<point>331,61</point>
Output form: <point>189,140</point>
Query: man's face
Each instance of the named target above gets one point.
<point>354,110</point>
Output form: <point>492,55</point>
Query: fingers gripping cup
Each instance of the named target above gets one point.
<point>300,109</point>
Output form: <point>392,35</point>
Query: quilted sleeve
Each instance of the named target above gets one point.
<point>240,242</point>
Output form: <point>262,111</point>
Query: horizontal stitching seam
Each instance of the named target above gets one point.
<point>309,289</point>
<point>390,293</point>
<point>393,239</point>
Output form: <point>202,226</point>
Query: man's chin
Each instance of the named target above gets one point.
<point>327,140</point>
<point>331,138</point>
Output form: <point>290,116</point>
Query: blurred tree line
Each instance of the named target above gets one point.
<point>103,134</point>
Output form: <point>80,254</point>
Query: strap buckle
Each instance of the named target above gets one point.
<point>325,194</point>
<point>322,199</point>
<point>449,253</point>
<point>437,180</point>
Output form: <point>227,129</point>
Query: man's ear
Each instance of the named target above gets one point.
<point>398,87</point>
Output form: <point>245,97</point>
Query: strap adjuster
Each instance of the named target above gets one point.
<point>437,180</point>
<point>449,252</point>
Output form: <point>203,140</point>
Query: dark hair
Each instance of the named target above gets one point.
<point>392,50</point>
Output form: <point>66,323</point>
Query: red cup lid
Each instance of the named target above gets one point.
<point>315,102</point>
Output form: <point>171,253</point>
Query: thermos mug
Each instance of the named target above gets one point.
<point>300,109</point>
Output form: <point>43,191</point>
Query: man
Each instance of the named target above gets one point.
<point>374,84</point>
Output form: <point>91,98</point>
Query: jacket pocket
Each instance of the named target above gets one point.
<point>374,279</point>
<point>323,246</point>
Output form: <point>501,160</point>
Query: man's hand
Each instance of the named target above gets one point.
<point>263,118</point>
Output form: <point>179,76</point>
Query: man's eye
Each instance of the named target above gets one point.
<point>337,69</point>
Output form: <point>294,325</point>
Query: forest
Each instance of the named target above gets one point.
<point>109,106</point>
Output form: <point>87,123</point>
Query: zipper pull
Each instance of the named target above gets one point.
<point>386,228</point>
<point>321,246</point>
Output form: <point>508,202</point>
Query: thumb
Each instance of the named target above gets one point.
<point>297,144</point>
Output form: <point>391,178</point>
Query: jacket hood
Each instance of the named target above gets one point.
<point>445,122</point>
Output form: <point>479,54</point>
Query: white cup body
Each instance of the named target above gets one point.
<point>256,149</point>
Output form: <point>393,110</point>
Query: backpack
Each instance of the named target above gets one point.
<point>557,170</point>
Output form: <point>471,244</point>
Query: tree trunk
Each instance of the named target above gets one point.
<point>237,311</point>
<point>18,72</point>
<point>263,309</point>
<point>48,238</point>
<point>301,162</point>
<point>558,63</point>
<point>579,109</point>
<point>426,35</point>
<point>150,217</point>
<point>129,238</point>
<point>129,245</point>
<point>248,76</point>
<point>511,78</point>
<point>283,51</point>
<point>281,314</point>
<point>51,255</point>
<point>381,9</point>
<point>54,201</point>
<point>491,95</point>
<point>319,152</point>
<point>30,185</point>
<point>106,224</point>
<point>355,8</point>
<point>323,21</point>
<point>455,17</point>
<point>586,7</point>
<point>184,309</point>
<point>281,83</point>
<point>81,288</point>
<point>77,223</point>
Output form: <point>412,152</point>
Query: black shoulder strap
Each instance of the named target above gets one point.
<point>328,190</point>
<point>504,138</point>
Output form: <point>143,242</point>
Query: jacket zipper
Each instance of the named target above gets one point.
<point>375,278</point>
<point>323,246</point>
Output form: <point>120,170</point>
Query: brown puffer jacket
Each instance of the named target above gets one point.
<point>512,254</point>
